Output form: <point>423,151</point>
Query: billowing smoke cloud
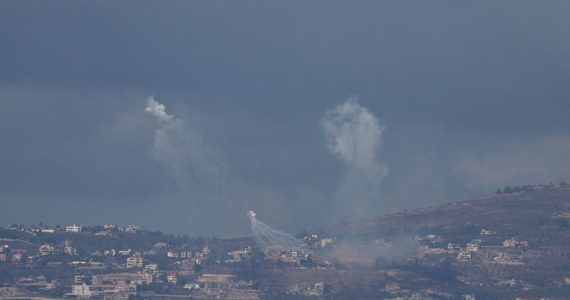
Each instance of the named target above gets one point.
<point>196,169</point>
<point>353,133</point>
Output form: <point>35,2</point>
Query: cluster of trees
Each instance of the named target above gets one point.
<point>524,188</point>
<point>514,189</point>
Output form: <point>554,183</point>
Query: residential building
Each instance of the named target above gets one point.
<point>151,267</point>
<point>132,228</point>
<point>17,257</point>
<point>186,254</point>
<point>171,278</point>
<point>510,243</point>
<point>46,249</point>
<point>125,252</point>
<point>135,261</point>
<point>80,290</point>
<point>73,228</point>
<point>472,247</point>
<point>464,255</point>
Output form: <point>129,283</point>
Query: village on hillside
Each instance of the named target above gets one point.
<point>418,256</point>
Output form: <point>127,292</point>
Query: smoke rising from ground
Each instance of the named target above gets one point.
<point>353,134</point>
<point>197,171</point>
<point>270,239</point>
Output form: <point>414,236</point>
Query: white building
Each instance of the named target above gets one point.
<point>46,249</point>
<point>73,228</point>
<point>135,261</point>
<point>464,255</point>
<point>125,252</point>
<point>510,243</point>
<point>132,228</point>
<point>472,247</point>
<point>80,290</point>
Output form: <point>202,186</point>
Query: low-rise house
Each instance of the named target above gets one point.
<point>171,278</point>
<point>392,287</point>
<point>110,252</point>
<point>464,255</point>
<point>324,242</point>
<point>427,250</point>
<point>96,280</point>
<point>125,252</point>
<point>122,278</point>
<point>46,249</point>
<point>104,233</point>
<point>70,250</point>
<point>192,286</point>
<point>238,254</point>
<point>433,238</point>
<point>151,268</point>
<point>186,254</point>
<point>510,243</point>
<point>508,259</point>
<point>293,253</point>
<point>78,279</point>
<point>135,261</point>
<point>80,290</point>
<point>472,247</point>
<point>132,228</point>
<point>215,280</point>
<point>453,247</point>
<point>17,257</point>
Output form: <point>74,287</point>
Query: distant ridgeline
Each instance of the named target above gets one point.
<point>525,188</point>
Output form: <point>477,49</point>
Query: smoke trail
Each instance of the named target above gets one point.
<point>271,239</point>
<point>196,170</point>
<point>353,133</point>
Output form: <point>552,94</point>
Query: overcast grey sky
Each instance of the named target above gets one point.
<point>465,97</point>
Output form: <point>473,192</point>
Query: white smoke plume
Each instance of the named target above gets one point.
<point>197,171</point>
<point>353,133</point>
<point>270,239</point>
<point>159,110</point>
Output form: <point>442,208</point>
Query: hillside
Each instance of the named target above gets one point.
<point>495,246</point>
<point>499,246</point>
<point>532,213</point>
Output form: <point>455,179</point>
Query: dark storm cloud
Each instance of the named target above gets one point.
<point>59,143</point>
<point>463,88</point>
